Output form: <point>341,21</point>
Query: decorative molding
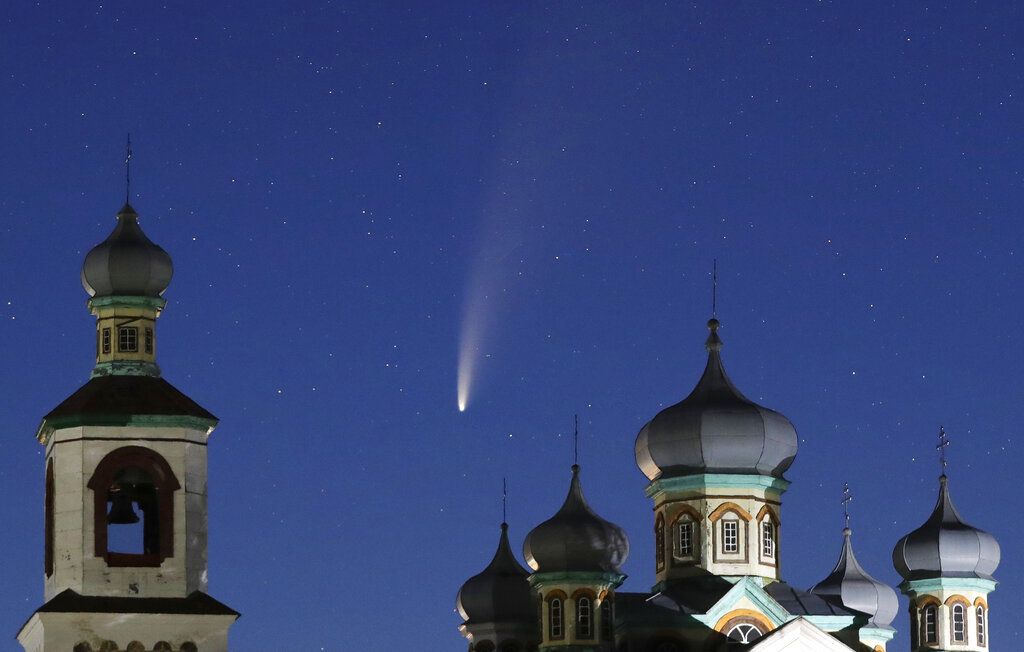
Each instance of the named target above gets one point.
<point>717,481</point>
<point>722,509</point>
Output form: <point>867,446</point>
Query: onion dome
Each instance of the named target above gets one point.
<point>945,546</point>
<point>501,592</point>
<point>127,263</point>
<point>850,586</point>
<point>716,429</point>
<point>576,538</point>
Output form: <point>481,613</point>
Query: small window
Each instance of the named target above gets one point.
<point>607,619</point>
<point>128,339</point>
<point>555,618</point>
<point>930,631</point>
<point>959,624</point>
<point>768,539</point>
<point>659,542</point>
<point>149,340</point>
<point>981,626</point>
<point>584,618</point>
<point>684,537</point>
<point>731,536</point>
<point>106,340</point>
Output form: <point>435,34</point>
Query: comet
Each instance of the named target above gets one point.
<point>489,273</point>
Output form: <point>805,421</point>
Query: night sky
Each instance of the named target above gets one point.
<point>354,193</point>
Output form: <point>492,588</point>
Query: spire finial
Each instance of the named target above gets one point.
<point>575,440</point>
<point>941,447</point>
<point>128,170</point>
<point>847,499</point>
<point>504,501</point>
<point>714,288</point>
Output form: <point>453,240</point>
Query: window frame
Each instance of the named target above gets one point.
<point>980,625</point>
<point>734,524</point>
<point>958,616</point>
<point>930,618</point>
<point>607,619</point>
<point>584,618</point>
<point>685,524</point>
<point>556,626</point>
<point>659,542</point>
<point>768,547</point>
<point>105,340</point>
<point>128,339</point>
<point>148,339</point>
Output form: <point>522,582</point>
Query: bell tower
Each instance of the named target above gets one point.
<point>125,473</point>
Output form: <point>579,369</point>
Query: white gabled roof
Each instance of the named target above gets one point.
<point>798,635</point>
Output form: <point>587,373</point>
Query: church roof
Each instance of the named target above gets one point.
<point>851,586</point>
<point>576,539</point>
<point>499,593</point>
<point>698,595</point>
<point>716,429</point>
<point>127,262</point>
<point>114,400</point>
<point>946,546</point>
<point>197,603</point>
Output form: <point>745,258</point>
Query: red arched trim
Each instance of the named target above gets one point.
<point>166,484</point>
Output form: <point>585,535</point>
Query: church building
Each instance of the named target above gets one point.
<point>125,481</point>
<point>715,463</point>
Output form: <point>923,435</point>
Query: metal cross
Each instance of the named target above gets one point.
<point>941,447</point>
<point>504,500</point>
<point>128,170</point>
<point>714,289</point>
<point>847,499</point>
<point>575,439</point>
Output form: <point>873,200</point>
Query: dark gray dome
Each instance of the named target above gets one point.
<point>851,587</point>
<point>127,263</point>
<point>500,593</point>
<point>945,546</point>
<point>716,429</point>
<point>576,538</point>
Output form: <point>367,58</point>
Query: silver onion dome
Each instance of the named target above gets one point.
<point>716,429</point>
<point>946,546</point>
<point>576,538</point>
<point>127,263</point>
<point>850,586</point>
<point>500,593</point>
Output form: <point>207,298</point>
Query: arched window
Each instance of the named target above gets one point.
<point>684,543</point>
<point>48,525</point>
<point>127,479</point>
<point>959,623</point>
<point>768,538</point>
<point>931,634</point>
<point>744,633</point>
<point>980,611</point>
<point>607,619</point>
<point>659,542</point>
<point>555,618</point>
<point>584,618</point>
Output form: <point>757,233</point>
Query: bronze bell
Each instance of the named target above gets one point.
<point>121,511</point>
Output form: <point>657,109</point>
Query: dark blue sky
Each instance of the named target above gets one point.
<point>346,190</point>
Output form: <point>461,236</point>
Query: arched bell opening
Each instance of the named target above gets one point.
<point>133,490</point>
